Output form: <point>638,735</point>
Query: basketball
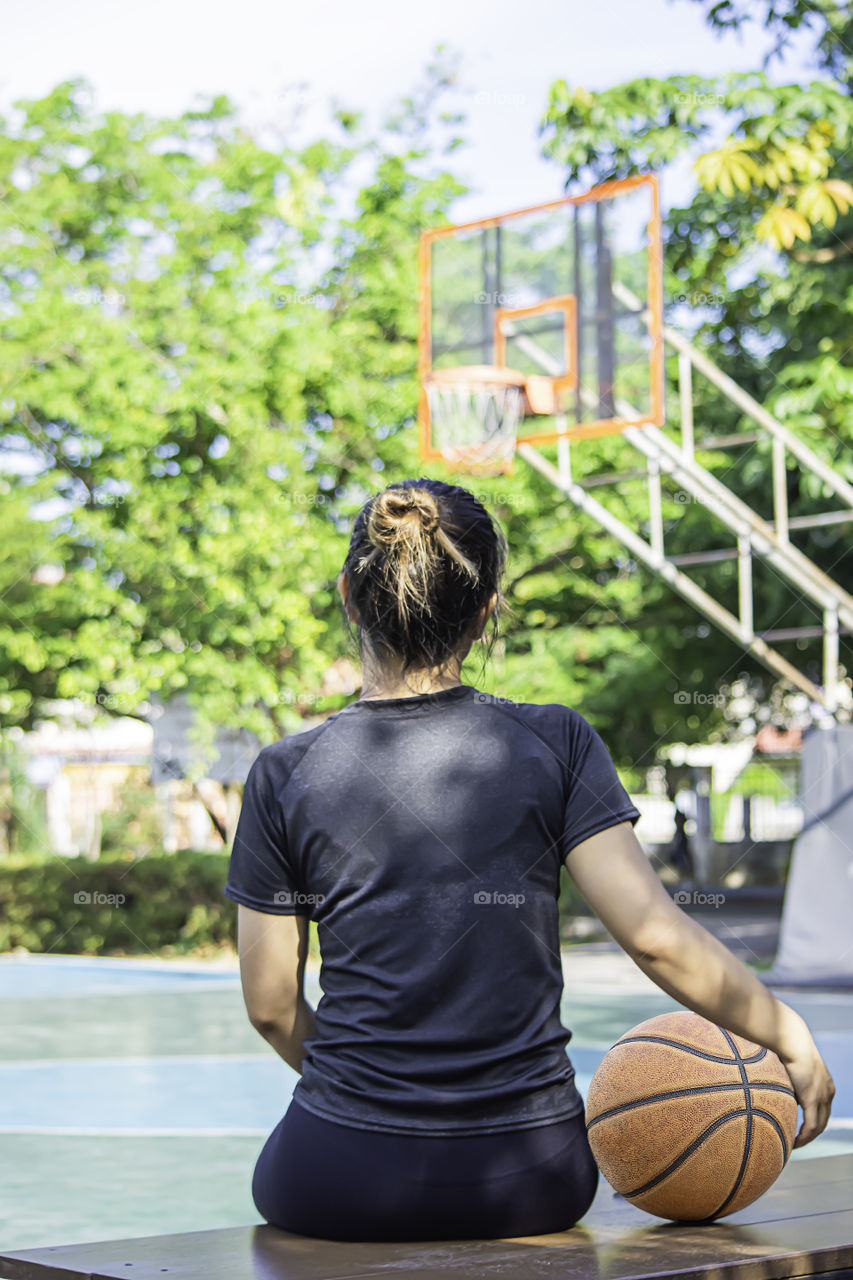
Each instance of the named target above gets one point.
<point>688,1121</point>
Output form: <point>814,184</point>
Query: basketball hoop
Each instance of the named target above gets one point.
<point>475,411</point>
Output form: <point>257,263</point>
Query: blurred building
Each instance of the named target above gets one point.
<point>91,766</point>
<point>742,800</point>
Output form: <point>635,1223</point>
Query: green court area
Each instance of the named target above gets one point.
<point>135,1096</point>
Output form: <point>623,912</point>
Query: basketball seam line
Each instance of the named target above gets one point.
<point>688,1151</point>
<point>686,1093</point>
<point>747,1138</point>
<point>777,1126</point>
<point>699,1053</point>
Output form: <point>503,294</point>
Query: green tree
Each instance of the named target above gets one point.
<point>207,363</point>
<point>829,22</point>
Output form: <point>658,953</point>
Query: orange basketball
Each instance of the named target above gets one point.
<point>688,1121</point>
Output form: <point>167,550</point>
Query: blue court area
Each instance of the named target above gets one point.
<point>135,1097</point>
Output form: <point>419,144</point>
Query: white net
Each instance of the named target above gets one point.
<point>475,422</point>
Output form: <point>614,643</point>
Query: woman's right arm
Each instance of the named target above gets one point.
<point>616,879</point>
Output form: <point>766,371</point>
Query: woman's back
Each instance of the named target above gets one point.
<point>425,835</point>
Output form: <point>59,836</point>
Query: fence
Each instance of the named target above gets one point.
<point>734,817</point>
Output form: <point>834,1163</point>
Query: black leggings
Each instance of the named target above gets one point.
<point>327,1180</point>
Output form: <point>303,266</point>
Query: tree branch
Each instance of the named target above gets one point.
<point>218,826</point>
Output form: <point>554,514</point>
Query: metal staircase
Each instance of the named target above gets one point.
<point>753,536</point>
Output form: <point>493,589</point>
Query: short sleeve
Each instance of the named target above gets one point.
<point>259,874</point>
<point>596,798</point>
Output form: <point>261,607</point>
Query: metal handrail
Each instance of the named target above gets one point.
<point>755,536</point>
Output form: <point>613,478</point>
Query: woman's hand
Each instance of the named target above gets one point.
<point>813,1085</point>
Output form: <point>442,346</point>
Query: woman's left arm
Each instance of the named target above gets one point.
<point>273,950</point>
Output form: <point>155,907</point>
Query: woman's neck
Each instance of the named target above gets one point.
<point>388,684</point>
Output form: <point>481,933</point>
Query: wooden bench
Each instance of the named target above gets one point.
<point>803,1226</point>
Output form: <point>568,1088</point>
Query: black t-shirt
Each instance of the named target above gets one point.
<point>425,835</point>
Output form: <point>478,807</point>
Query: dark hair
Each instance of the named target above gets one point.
<point>424,557</point>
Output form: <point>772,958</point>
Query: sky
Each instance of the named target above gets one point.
<point>270,56</point>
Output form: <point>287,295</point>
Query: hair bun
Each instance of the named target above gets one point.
<point>424,559</point>
<point>400,510</point>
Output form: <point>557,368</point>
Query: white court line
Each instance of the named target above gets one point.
<point>40,1131</point>
<point>139,963</point>
<point>34,1064</point>
<point>178,987</point>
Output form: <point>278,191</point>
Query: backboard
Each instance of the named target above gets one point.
<point>568,294</point>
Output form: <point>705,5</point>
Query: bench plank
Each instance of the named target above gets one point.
<point>802,1227</point>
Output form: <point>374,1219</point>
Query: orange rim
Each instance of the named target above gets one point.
<point>477,374</point>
